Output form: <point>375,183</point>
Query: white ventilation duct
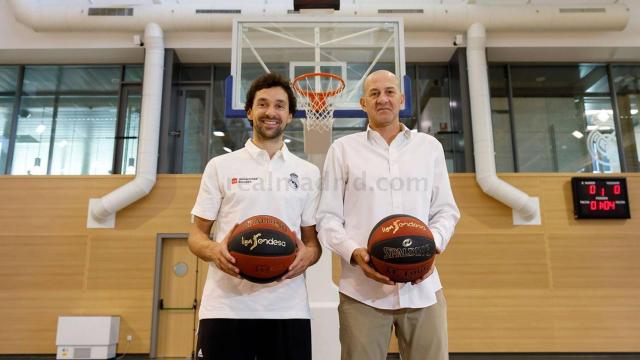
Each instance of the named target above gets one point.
<point>82,15</point>
<point>102,211</point>
<point>526,209</point>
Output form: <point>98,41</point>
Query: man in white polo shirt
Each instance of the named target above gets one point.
<point>367,176</point>
<point>240,319</point>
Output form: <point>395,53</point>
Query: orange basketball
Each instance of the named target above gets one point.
<point>402,248</point>
<point>264,247</point>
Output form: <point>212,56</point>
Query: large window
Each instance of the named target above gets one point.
<point>561,118</point>
<point>67,120</point>
<point>83,120</point>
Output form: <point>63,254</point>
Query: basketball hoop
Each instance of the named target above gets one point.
<point>316,93</point>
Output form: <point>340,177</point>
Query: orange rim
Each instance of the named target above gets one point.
<point>318,94</point>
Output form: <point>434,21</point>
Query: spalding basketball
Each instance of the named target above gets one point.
<point>263,247</point>
<point>402,248</point>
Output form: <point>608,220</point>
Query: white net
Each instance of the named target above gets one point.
<point>316,94</point>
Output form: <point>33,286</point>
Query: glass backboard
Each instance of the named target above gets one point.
<point>351,48</point>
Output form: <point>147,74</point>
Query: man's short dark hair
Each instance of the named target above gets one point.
<point>267,81</point>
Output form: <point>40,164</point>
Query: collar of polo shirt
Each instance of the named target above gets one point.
<point>258,153</point>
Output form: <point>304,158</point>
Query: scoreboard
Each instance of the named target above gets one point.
<point>600,198</point>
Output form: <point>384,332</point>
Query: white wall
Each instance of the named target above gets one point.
<point>19,44</point>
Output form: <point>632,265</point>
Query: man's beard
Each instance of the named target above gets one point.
<point>275,134</point>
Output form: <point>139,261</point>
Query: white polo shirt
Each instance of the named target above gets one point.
<point>242,184</point>
<point>364,180</point>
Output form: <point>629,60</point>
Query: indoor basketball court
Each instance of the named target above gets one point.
<point>110,111</point>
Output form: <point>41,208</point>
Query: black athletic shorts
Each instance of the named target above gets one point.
<point>254,339</point>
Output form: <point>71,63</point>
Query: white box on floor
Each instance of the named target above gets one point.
<point>87,337</point>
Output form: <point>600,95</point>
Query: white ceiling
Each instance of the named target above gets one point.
<point>213,47</point>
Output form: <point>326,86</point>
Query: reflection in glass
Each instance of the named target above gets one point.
<point>84,135</point>
<point>600,134</point>
<point>433,111</point>
<point>195,138</point>
<point>563,119</point>
<point>133,73</point>
<point>89,78</point>
<point>31,153</point>
<point>131,132</point>
<point>626,80</point>
<point>6,113</point>
<point>67,120</point>
<point>38,79</point>
<point>503,147</point>
<point>8,83</point>
<point>8,79</point>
